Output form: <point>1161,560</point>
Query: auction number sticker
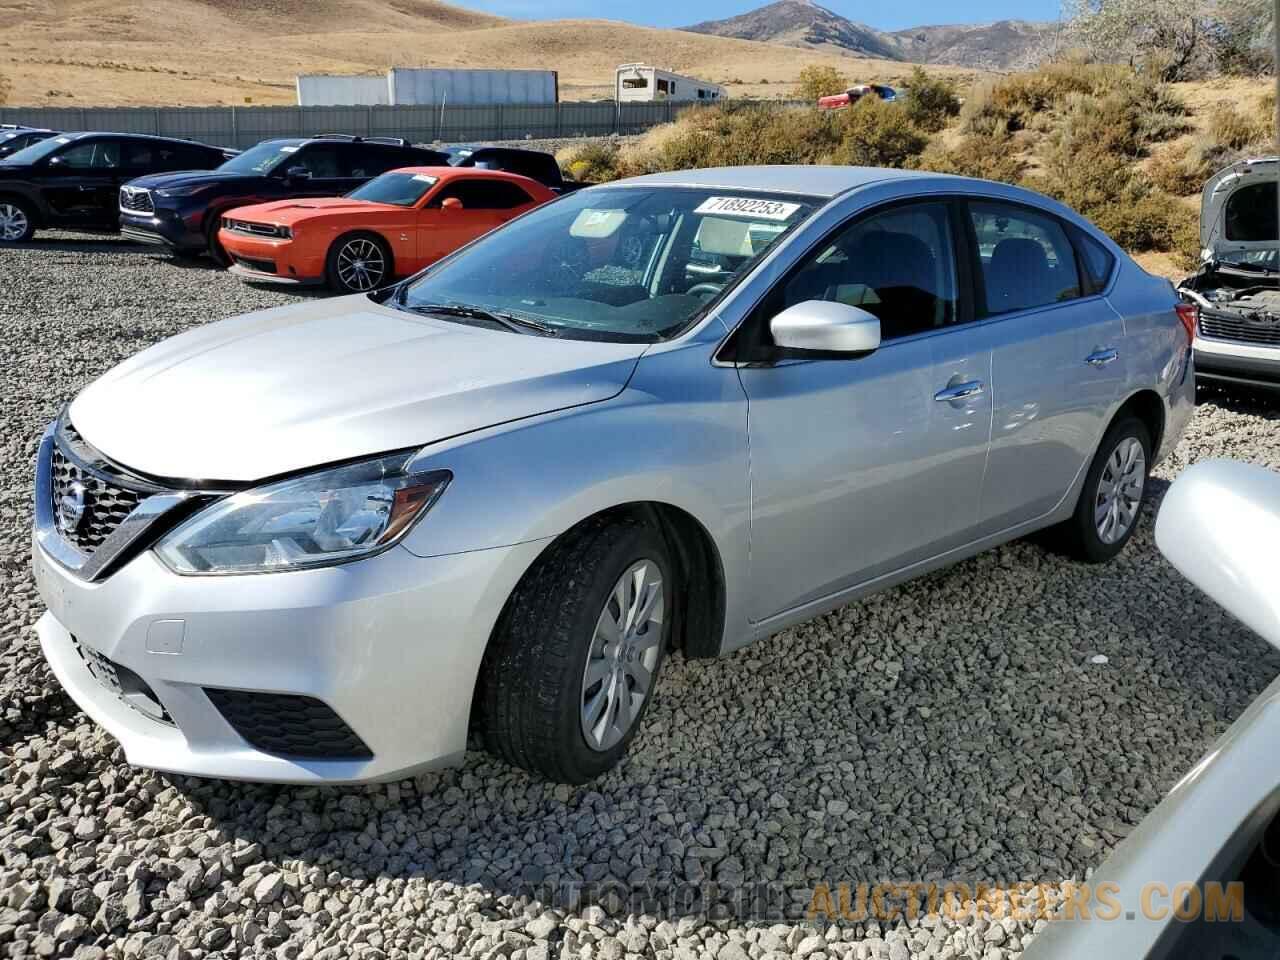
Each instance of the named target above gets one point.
<point>748,207</point>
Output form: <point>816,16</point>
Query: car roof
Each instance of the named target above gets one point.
<point>813,181</point>
<point>77,134</point>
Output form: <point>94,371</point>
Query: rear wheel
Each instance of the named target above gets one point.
<point>358,263</point>
<point>1111,501</point>
<point>17,220</point>
<point>574,659</point>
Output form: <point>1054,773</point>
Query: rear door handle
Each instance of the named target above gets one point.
<point>1100,358</point>
<point>960,391</point>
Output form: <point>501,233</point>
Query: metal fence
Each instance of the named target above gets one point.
<point>242,127</point>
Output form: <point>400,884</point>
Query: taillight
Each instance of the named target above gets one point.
<point>1189,314</point>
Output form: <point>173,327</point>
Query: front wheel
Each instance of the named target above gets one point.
<point>17,221</point>
<point>574,659</point>
<point>1111,501</point>
<point>357,264</point>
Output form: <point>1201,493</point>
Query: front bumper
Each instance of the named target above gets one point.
<point>1237,362</point>
<point>271,259</point>
<point>392,645</point>
<point>190,674</point>
<point>164,229</point>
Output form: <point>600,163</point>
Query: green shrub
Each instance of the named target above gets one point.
<point>818,80</point>
<point>590,162</point>
<point>878,134</point>
<point>1233,130</point>
<point>976,155</point>
<point>931,102</point>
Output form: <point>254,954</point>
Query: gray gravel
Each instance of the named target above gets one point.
<point>956,728</point>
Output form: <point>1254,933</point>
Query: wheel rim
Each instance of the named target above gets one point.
<point>625,648</point>
<point>361,264</point>
<point>1120,490</point>
<point>13,222</point>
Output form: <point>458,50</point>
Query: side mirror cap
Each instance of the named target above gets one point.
<point>450,203</point>
<point>1219,524</point>
<point>825,327</point>
<point>298,173</point>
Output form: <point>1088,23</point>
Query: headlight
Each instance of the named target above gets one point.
<point>317,520</point>
<point>184,191</point>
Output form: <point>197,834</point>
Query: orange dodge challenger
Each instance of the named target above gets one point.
<point>393,226</point>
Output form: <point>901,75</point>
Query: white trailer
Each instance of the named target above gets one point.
<point>410,85</point>
<point>328,90</point>
<point>639,82</point>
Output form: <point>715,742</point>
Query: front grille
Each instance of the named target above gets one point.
<point>102,503</point>
<point>253,263</point>
<point>288,725</point>
<point>124,683</point>
<point>136,200</point>
<point>253,229</point>
<point>1261,333</point>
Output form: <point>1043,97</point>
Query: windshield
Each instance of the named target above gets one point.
<point>37,151</point>
<point>263,158</point>
<point>614,263</point>
<point>400,189</point>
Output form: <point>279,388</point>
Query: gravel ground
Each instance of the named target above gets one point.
<point>956,728</point>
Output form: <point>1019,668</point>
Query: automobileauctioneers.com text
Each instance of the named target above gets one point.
<point>888,902</point>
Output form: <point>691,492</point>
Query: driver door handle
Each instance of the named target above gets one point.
<point>1100,358</point>
<point>960,391</point>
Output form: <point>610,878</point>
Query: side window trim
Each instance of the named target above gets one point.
<point>730,350</point>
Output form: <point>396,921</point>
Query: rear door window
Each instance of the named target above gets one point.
<point>1025,257</point>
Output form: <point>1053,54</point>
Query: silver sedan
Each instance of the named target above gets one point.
<point>328,541</point>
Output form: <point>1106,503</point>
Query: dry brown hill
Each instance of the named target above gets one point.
<point>170,52</point>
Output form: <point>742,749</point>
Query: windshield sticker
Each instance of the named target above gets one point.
<point>288,149</point>
<point>748,207</point>
<point>423,178</point>
<point>595,223</point>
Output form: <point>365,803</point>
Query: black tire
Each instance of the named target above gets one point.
<point>21,208</point>
<point>333,269</point>
<point>217,253</point>
<point>530,699</point>
<point>1079,537</point>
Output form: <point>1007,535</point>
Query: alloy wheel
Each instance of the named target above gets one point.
<point>625,649</point>
<point>361,264</point>
<point>13,222</point>
<point>1120,490</point>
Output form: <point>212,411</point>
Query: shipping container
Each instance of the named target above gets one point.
<point>327,90</point>
<point>411,85</point>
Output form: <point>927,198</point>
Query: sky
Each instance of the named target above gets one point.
<point>673,13</point>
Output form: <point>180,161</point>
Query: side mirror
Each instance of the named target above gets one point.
<point>826,327</point>
<point>1219,524</point>
<point>298,173</point>
<point>450,204</point>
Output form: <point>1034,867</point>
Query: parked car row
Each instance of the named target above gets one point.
<point>352,212</point>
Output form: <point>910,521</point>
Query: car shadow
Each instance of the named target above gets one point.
<point>1011,718</point>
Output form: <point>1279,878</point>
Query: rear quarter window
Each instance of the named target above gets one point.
<point>1097,260</point>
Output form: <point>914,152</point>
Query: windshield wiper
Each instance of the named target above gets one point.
<point>1249,267</point>
<point>512,321</point>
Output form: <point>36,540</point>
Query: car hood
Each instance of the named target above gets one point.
<point>186,178</point>
<point>291,211</point>
<point>1214,244</point>
<point>312,383</point>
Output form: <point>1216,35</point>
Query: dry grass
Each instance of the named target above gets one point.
<point>95,52</point>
